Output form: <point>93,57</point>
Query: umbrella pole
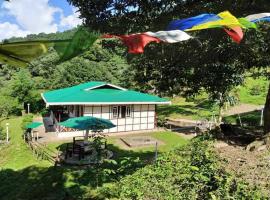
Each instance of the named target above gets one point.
<point>86,135</point>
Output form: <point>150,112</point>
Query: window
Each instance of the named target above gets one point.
<point>115,112</point>
<point>121,111</point>
<point>128,111</point>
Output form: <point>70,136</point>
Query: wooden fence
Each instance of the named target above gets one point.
<point>41,151</point>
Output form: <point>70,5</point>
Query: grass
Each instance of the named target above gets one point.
<point>253,91</point>
<point>16,155</point>
<point>170,140</point>
<point>24,177</point>
<point>195,109</point>
<point>251,118</point>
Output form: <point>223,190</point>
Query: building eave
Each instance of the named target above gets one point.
<point>104,103</point>
<point>44,99</point>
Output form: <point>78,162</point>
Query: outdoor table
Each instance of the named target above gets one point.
<point>86,145</point>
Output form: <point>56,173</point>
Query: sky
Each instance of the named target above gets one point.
<point>22,17</point>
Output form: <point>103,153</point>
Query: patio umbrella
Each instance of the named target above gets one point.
<point>34,125</point>
<point>87,123</point>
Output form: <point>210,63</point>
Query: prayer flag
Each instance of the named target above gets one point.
<point>227,20</point>
<point>258,17</point>
<point>183,24</point>
<point>235,33</point>
<point>135,42</point>
<point>170,36</point>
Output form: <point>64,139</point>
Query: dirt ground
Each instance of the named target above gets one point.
<point>253,167</point>
<point>242,108</point>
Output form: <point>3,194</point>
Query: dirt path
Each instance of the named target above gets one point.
<point>253,167</point>
<point>242,108</point>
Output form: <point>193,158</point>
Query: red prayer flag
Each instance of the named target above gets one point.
<point>135,42</point>
<point>235,33</point>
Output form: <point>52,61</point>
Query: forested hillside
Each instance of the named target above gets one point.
<point>20,86</point>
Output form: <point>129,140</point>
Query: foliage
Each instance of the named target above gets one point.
<point>190,172</point>
<point>213,64</point>
<point>114,180</point>
<point>17,154</point>
<point>27,119</point>
<point>21,86</point>
<point>251,118</point>
<point>2,133</point>
<point>161,120</point>
<point>9,106</point>
<point>95,64</point>
<point>139,16</point>
<point>257,86</point>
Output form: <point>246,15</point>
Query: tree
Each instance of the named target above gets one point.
<point>9,106</point>
<point>215,64</point>
<point>127,16</point>
<point>21,87</point>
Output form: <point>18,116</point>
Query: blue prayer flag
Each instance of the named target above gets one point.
<point>183,24</point>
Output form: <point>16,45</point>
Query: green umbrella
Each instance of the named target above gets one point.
<point>34,125</point>
<point>87,123</point>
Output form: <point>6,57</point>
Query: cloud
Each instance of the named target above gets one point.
<point>71,21</point>
<point>8,30</point>
<point>35,16</point>
<point>21,17</point>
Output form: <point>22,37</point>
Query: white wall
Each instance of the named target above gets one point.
<point>142,117</point>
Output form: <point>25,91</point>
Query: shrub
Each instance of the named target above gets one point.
<point>257,90</point>
<point>26,120</point>
<point>190,172</point>
<point>2,133</point>
<point>9,106</point>
<point>161,120</point>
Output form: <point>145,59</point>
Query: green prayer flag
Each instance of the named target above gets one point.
<point>22,53</point>
<point>81,41</point>
<point>246,23</point>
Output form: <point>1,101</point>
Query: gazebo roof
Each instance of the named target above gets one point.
<point>99,93</point>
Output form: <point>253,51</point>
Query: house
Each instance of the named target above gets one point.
<point>127,109</point>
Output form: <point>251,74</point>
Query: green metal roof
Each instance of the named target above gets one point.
<point>92,93</point>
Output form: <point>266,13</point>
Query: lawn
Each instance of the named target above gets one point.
<point>197,108</point>
<point>251,118</point>
<point>169,139</point>
<point>253,91</point>
<point>16,155</point>
<point>24,177</point>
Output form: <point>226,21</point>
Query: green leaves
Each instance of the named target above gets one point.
<point>190,172</point>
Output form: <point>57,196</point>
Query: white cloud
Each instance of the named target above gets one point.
<point>8,30</point>
<point>71,21</point>
<point>35,16</point>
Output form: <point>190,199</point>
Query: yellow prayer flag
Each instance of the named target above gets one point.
<point>227,20</point>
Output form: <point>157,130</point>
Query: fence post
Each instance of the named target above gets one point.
<point>156,153</point>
